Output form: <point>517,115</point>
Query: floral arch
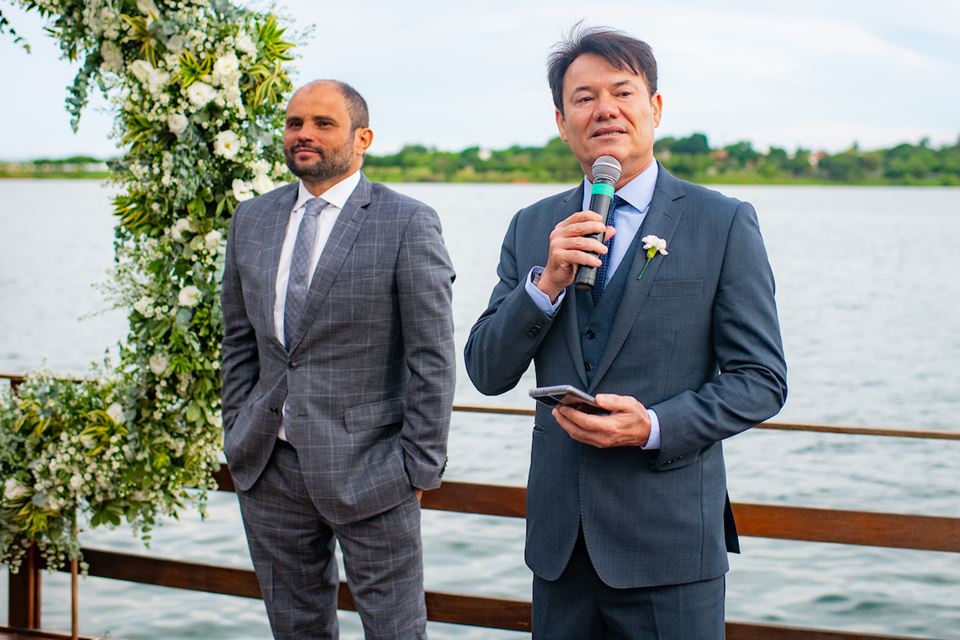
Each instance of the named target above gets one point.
<point>196,87</point>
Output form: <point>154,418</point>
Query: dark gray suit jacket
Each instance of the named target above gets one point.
<point>369,380</point>
<point>696,339</point>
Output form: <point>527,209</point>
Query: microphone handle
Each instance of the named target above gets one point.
<point>587,276</point>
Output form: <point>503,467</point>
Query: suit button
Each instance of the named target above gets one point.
<point>538,324</point>
<point>587,366</point>
<point>274,410</point>
<point>293,364</point>
<point>590,333</point>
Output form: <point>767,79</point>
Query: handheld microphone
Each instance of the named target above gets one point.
<point>606,172</point>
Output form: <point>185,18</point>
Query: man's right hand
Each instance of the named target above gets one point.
<point>570,248</point>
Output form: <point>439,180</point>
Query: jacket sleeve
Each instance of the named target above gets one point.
<point>241,366</point>
<point>424,291</point>
<point>752,385</point>
<point>505,338</point>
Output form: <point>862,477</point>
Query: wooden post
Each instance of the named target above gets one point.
<point>24,596</point>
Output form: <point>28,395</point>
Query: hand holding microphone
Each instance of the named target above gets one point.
<point>576,242</point>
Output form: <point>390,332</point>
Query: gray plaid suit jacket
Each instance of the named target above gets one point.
<point>369,380</point>
<point>696,339</point>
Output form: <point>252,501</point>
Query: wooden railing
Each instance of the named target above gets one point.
<point>928,533</point>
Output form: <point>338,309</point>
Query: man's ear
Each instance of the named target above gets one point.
<point>362,139</point>
<point>561,125</point>
<point>656,103</point>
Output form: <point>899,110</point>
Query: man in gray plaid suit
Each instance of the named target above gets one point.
<point>338,377</point>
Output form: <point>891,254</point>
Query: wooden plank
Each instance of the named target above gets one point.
<point>15,633</point>
<point>890,432</point>
<point>493,613</point>
<point>900,531</point>
<point>442,607</point>
<point>486,499</point>
<point>756,631</point>
<point>171,573</point>
<point>927,533</point>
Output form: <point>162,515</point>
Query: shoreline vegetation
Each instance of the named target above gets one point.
<point>691,158</point>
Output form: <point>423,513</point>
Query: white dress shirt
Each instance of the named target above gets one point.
<point>336,197</point>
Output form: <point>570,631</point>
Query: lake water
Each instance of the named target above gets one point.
<point>869,299</point>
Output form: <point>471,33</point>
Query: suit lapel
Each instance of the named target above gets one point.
<point>662,220</point>
<point>568,309</point>
<point>335,251</point>
<point>276,230</point>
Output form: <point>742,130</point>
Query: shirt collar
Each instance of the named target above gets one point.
<point>638,192</point>
<point>337,195</point>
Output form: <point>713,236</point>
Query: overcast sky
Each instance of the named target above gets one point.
<point>818,73</point>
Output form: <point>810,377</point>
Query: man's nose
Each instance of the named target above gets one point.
<point>605,107</point>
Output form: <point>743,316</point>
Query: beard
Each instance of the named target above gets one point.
<point>331,163</point>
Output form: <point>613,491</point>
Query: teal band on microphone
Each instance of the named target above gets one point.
<point>602,189</point>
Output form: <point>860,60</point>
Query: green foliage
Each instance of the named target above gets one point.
<point>196,117</point>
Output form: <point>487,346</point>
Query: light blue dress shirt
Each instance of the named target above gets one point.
<point>637,193</point>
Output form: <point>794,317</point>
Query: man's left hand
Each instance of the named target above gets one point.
<point>627,425</point>
<point>419,494</point>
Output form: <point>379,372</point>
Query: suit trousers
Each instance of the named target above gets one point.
<point>579,606</point>
<point>292,547</point>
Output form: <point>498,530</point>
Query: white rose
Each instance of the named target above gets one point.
<point>653,242</point>
<point>13,490</point>
<point>115,411</point>
<point>189,296</point>
<point>153,79</point>
<point>179,228</point>
<point>246,44</point>
<point>112,57</point>
<point>144,306</point>
<point>148,8</point>
<point>88,442</point>
<point>76,482</point>
<point>226,144</point>
<point>212,240</point>
<point>241,190</point>
<point>159,364</point>
<point>261,183</point>
<point>260,166</point>
<point>200,93</point>
<point>177,122</point>
<point>175,44</point>
<point>226,69</point>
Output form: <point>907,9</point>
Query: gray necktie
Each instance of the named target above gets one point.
<point>299,281</point>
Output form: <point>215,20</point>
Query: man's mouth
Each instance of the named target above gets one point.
<point>304,149</point>
<point>609,132</point>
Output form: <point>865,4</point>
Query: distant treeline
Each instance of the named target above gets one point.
<point>72,167</point>
<point>691,157</point>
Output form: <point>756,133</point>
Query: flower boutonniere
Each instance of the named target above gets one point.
<point>653,245</point>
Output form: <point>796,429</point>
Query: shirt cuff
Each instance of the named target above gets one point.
<point>653,442</point>
<point>541,299</point>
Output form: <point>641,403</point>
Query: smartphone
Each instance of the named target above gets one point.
<point>568,395</point>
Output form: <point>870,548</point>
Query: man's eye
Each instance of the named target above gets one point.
<point>583,99</point>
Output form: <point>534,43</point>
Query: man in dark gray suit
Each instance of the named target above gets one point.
<point>628,520</point>
<point>338,377</point>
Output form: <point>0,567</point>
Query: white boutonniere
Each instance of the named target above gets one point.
<point>653,245</point>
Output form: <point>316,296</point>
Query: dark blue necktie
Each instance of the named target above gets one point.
<point>601,280</point>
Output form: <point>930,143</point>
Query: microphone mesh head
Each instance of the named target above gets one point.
<point>606,169</point>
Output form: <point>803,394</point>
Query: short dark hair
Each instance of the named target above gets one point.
<point>616,47</point>
<point>356,105</point>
